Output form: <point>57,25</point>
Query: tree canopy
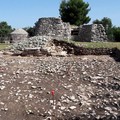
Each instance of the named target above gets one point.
<point>5,29</point>
<point>116,33</point>
<point>112,32</point>
<point>30,30</point>
<point>107,23</point>
<point>74,11</point>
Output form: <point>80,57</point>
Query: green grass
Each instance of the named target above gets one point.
<point>84,44</point>
<point>4,46</point>
<point>97,44</point>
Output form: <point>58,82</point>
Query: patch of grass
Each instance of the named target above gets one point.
<point>97,44</point>
<point>4,46</point>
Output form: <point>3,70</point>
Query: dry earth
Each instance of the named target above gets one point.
<point>86,88</point>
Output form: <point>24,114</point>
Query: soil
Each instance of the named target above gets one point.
<point>59,88</point>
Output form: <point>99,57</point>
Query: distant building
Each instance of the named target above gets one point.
<point>18,34</point>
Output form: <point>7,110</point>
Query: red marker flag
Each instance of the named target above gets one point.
<point>53,92</point>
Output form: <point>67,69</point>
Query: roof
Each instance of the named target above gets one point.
<point>19,31</point>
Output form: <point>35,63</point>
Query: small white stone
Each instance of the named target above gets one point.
<point>66,101</point>
<point>50,112</point>
<point>54,107</point>
<point>29,112</point>
<point>4,74</point>
<point>30,96</point>
<point>4,109</point>
<point>72,97</point>
<point>72,107</point>
<point>0,76</point>
<point>58,104</point>
<point>71,89</point>
<point>108,108</point>
<point>2,103</point>
<point>42,100</point>
<point>17,94</point>
<point>34,87</point>
<point>84,72</point>
<point>2,87</point>
<point>16,101</point>
<point>51,101</point>
<point>29,83</point>
<point>62,108</point>
<point>90,108</point>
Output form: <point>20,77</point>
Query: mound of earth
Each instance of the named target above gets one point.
<point>83,88</point>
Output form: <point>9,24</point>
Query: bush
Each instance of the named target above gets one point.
<point>116,34</point>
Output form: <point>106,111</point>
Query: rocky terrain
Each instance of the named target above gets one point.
<point>59,88</point>
<point>47,46</point>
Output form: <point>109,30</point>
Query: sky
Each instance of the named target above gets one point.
<point>25,13</point>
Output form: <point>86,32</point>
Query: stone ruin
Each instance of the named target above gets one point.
<point>53,27</point>
<point>92,33</point>
<point>42,45</point>
<point>49,29</point>
<point>89,33</point>
<point>38,46</point>
<point>18,34</point>
<point>57,29</point>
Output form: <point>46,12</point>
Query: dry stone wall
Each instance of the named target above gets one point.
<point>18,37</point>
<point>57,29</point>
<point>92,33</point>
<point>18,34</point>
<point>52,27</point>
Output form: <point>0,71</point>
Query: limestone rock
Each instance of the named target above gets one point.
<point>53,27</point>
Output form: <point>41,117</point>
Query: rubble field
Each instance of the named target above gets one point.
<point>59,88</point>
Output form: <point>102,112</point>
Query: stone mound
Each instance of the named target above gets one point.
<point>37,46</point>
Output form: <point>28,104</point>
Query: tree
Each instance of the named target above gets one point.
<point>116,33</point>
<point>107,23</point>
<point>5,29</point>
<point>30,30</point>
<point>74,11</point>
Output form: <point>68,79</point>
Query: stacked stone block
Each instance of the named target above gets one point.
<point>53,27</point>
<point>92,33</point>
<point>18,34</point>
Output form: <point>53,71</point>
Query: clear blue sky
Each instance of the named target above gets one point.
<point>24,13</point>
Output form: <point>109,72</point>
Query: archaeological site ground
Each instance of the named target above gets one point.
<point>47,77</point>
